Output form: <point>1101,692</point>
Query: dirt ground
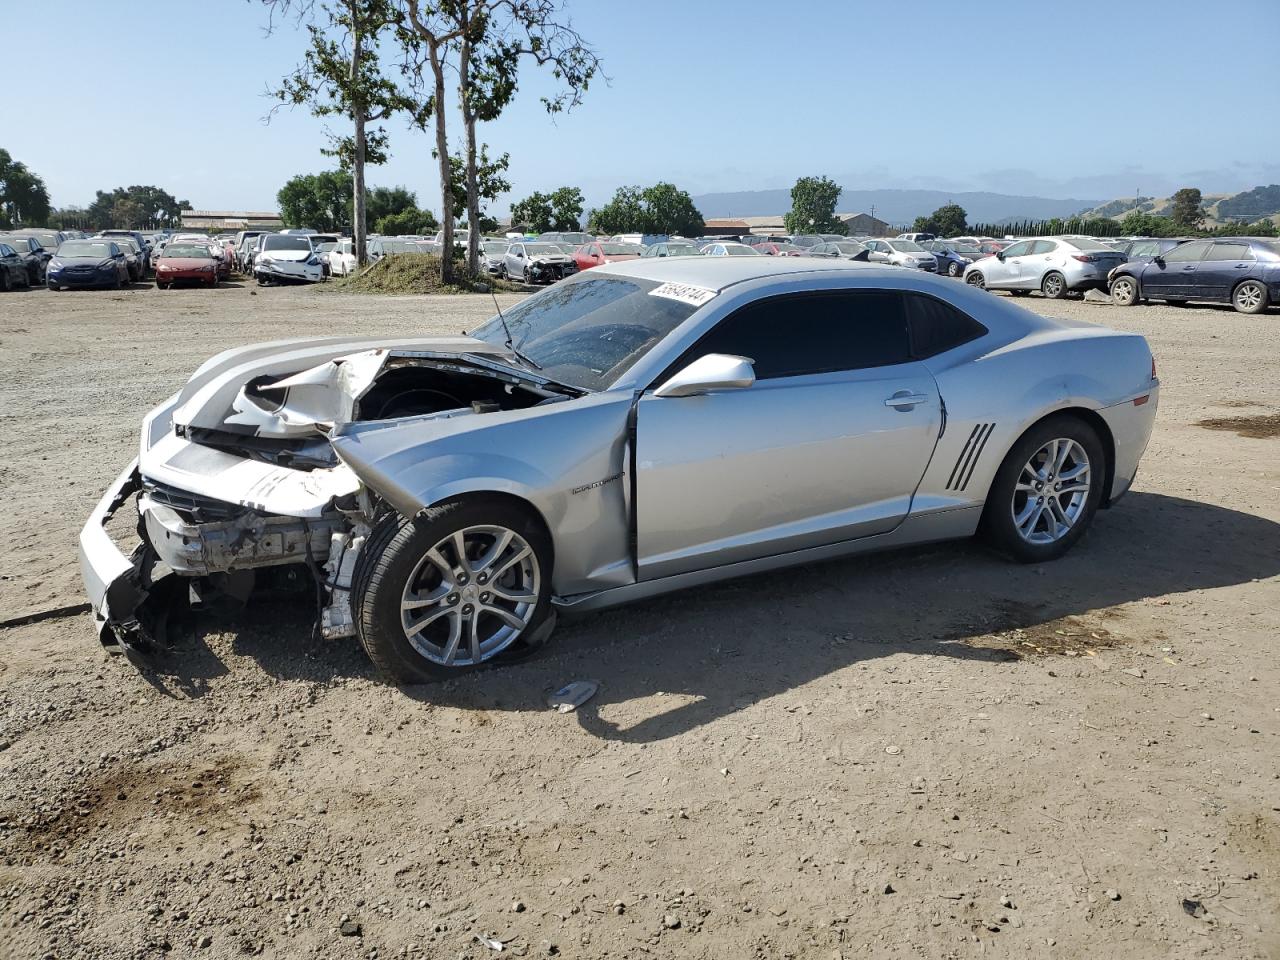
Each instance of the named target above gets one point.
<point>931,753</point>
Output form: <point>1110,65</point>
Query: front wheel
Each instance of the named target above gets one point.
<point>1053,286</point>
<point>976,279</point>
<point>954,269</point>
<point>465,584</point>
<point>1250,297</point>
<point>1124,291</point>
<point>1046,491</point>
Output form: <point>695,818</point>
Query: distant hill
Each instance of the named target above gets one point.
<point>1248,206</point>
<point>896,206</point>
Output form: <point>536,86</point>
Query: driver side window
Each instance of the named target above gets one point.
<point>1020,249</point>
<point>1187,252</point>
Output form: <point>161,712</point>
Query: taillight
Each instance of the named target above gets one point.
<point>1084,257</point>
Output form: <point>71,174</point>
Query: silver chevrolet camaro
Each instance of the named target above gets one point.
<point>635,429</point>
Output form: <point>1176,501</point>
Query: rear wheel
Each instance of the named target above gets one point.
<point>466,584</point>
<point>1046,491</point>
<point>1124,291</point>
<point>976,279</point>
<point>1054,285</point>
<point>1250,297</point>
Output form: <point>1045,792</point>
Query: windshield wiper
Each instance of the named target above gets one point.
<point>526,360</point>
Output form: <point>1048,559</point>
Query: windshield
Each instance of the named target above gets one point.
<point>622,249</point>
<point>326,247</point>
<point>741,250</point>
<point>905,246</point>
<point>589,332</point>
<point>849,247</point>
<point>85,248</point>
<point>542,250</point>
<point>279,242</point>
<point>495,249</point>
<point>126,244</point>
<point>186,250</point>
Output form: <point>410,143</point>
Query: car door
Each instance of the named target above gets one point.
<point>880,251</point>
<point>1043,256</point>
<point>1004,269</point>
<point>1226,264</point>
<point>513,260</point>
<point>828,444</point>
<point>1173,275</point>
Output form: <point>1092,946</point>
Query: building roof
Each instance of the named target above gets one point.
<point>725,224</point>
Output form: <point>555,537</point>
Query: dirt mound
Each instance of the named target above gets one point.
<point>416,273</point>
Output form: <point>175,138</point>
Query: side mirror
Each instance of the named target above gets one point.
<point>999,254</point>
<point>714,371</point>
<point>1158,260</point>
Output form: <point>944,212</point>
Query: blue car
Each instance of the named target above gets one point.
<point>951,261</point>
<point>1152,247</point>
<point>1241,271</point>
<point>88,263</point>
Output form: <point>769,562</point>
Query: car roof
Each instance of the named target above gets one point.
<point>718,273</point>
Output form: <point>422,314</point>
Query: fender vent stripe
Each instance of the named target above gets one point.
<point>969,456</point>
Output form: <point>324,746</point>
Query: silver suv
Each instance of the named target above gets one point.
<point>1053,265</point>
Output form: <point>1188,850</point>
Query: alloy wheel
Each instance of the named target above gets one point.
<point>1051,491</point>
<point>976,279</point>
<point>470,596</point>
<point>1248,296</point>
<point>1053,285</point>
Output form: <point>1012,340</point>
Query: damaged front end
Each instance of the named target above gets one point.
<point>236,485</point>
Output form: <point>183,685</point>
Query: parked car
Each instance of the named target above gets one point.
<point>88,263</point>
<point>989,248</point>
<point>729,249</point>
<point>49,240</point>
<point>806,240</point>
<point>575,238</point>
<point>1241,271</point>
<point>287,257</point>
<point>1055,266</point>
<point>379,247</point>
<point>902,253</point>
<point>840,250</point>
<point>133,256</point>
<point>671,248</point>
<point>948,256</point>
<point>599,252</point>
<point>916,237</point>
<point>492,252</point>
<point>631,431</point>
<point>534,262</point>
<point>775,248</point>
<point>139,241</point>
<point>35,257</point>
<point>183,262</point>
<point>13,269</point>
<point>342,258</point>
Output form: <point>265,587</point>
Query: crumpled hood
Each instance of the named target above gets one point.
<point>325,376</point>
<point>549,258</point>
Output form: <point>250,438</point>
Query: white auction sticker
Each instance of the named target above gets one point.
<point>684,292</point>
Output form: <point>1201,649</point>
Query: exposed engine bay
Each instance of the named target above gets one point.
<point>293,505</point>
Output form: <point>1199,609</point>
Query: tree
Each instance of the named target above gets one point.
<point>409,221</point>
<point>1187,211</point>
<point>341,75</point>
<point>949,220</point>
<point>387,201</point>
<point>660,209</point>
<point>490,184</point>
<point>542,212</point>
<point>813,206</point>
<point>318,200</point>
<point>24,199</point>
<point>134,208</point>
<point>495,36</point>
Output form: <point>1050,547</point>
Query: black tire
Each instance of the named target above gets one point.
<point>53,287</point>
<point>1125,291</point>
<point>1020,293</point>
<point>954,269</point>
<point>976,279</point>
<point>998,525</point>
<point>1250,297</point>
<point>6,283</point>
<point>1053,285</point>
<point>391,556</point>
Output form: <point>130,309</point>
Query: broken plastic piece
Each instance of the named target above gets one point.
<point>573,695</point>
<point>489,942</point>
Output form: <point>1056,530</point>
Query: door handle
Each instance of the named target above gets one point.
<point>905,401</point>
<point>1243,266</point>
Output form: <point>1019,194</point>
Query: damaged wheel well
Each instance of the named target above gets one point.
<point>518,503</point>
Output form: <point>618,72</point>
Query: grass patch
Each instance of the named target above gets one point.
<point>414,273</point>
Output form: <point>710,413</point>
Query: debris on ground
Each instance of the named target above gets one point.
<point>573,695</point>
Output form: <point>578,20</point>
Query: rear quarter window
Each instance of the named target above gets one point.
<point>937,326</point>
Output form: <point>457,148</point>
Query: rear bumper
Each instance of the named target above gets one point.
<point>1130,423</point>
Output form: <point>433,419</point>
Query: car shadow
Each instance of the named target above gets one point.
<point>718,649</point>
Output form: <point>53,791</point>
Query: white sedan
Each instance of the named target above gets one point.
<point>342,259</point>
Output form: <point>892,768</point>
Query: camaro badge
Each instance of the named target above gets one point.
<point>598,483</point>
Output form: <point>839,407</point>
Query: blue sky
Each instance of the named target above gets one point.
<point>1087,101</point>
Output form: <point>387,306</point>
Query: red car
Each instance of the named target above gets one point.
<point>779,249</point>
<point>594,254</point>
<point>187,262</point>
